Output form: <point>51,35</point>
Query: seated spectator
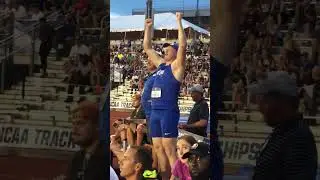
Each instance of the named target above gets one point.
<point>81,8</point>
<point>134,83</point>
<point>79,77</point>
<point>19,11</point>
<point>76,50</point>
<point>134,136</point>
<point>36,14</point>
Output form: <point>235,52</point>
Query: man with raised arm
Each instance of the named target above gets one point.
<point>166,88</point>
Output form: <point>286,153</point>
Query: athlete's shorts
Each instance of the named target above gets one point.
<point>164,123</point>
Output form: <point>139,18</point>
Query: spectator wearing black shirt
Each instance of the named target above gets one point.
<point>290,151</point>
<point>199,114</point>
<point>90,162</point>
<point>45,34</point>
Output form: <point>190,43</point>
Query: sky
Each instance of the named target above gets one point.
<point>124,7</point>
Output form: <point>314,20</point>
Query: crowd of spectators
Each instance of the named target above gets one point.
<point>278,35</point>
<point>88,13</point>
<point>132,133</point>
<point>128,62</point>
<point>64,26</point>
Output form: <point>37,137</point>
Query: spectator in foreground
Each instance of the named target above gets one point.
<point>113,174</point>
<point>290,151</point>
<point>180,169</point>
<point>136,160</point>
<point>89,162</point>
<point>198,161</point>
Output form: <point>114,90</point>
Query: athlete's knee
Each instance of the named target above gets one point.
<point>169,145</point>
<point>157,146</point>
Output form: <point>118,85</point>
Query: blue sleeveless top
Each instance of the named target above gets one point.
<point>165,89</point>
<point>146,95</point>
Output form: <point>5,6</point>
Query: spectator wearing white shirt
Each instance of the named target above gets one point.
<point>76,50</point>
<point>79,48</point>
<point>36,14</point>
<point>80,77</point>
<point>113,174</point>
<point>20,11</point>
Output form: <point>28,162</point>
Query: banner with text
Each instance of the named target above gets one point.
<point>243,150</point>
<point>36,137</point>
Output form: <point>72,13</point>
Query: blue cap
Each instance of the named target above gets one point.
<point>174,45</point>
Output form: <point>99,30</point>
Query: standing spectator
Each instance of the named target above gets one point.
<point>88,163</point>
<point>310,18</point>
<point>290,151</point>
<point>199,114</point>
<point>46,34</point>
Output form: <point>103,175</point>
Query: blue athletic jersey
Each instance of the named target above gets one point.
<point>165,89</point>
<point>146,95</point>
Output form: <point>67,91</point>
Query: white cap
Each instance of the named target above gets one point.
<point>196,88</point>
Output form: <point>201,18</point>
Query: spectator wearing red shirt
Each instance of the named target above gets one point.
<point>81,6</point>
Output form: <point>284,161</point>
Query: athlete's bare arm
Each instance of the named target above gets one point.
<point>155,58</point>
<point>178,65</point>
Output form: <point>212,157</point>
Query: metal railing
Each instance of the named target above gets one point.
<point>22,45</point>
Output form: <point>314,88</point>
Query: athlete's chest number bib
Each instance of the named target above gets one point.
<point>156,92</point>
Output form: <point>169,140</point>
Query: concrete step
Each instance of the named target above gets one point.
<point>37,115</point>
<point>18,97</point>
<point>8,106</point>
<point>38,80</point>
<point>27,93</point>
<point>51,75</point>
<point>19,102</point>
<point>32,88</point>
<point>58,63</point>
